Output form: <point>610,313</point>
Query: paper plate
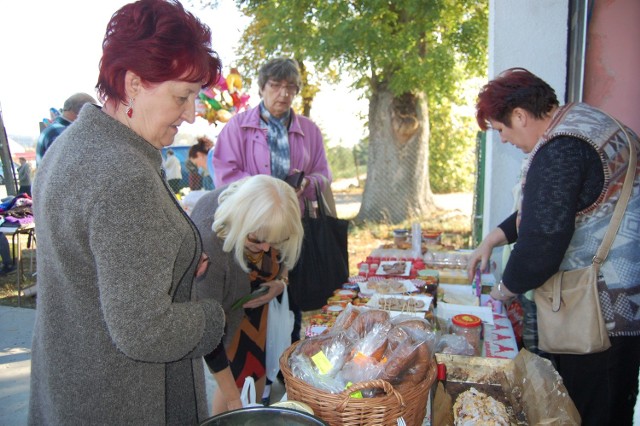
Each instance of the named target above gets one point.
<point>409,287</point>
<point>374,302</point>
<point>405,273</point>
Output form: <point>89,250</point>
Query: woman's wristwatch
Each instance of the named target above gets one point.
<point>502,293</point>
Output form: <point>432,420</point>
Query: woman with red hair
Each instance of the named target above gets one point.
<point>119,338</point>
<point>578,159</point>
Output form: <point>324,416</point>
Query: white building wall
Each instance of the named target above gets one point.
<point>532,34</point>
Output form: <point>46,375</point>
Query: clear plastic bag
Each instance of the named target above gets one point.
<point>248,394</point>
<point>279,327</point>
<point>455,345</point>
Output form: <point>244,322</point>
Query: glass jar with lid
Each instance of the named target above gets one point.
<point>400,236</point>
<point>470,327</point>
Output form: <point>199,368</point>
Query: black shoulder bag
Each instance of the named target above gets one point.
<point>324,261</point>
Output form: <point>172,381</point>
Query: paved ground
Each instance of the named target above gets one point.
<point>16,326</point>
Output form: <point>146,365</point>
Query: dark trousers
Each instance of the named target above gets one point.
<point>4,251</point>
<point>175,185</point>
<point>25,189</point>
<point>603,386</point>
<point>297,318</point>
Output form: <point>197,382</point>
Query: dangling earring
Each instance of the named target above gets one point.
<point>130,108</point>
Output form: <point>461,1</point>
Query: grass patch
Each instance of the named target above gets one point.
<point>456,234</point>
<point>363,239</point>
<point>9,282</point>
<point>9,286</point>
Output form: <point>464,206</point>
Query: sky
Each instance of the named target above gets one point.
<point>51,49</point>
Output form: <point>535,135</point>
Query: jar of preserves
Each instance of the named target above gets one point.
<point>400,236</point>
<point>470,327</point>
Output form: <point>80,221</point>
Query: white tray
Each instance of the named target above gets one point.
<point>449,310</point>
<point>373,302</point>
<point>408,285</point>
<point>407,269</point>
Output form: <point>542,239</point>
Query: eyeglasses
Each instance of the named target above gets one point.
<point>254,240</point>
<point>291,89</point>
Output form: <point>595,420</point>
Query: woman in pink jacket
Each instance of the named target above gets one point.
<point>271,139</point>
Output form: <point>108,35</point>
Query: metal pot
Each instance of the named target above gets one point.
<point>264,416</point>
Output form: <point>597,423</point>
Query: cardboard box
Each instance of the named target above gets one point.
<point>528,385</point>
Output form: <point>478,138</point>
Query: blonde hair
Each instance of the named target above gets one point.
<point>266,207</point>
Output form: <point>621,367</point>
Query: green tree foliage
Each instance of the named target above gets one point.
<point>409,56</point>
<point>451,152</point>
<point>347,162</point>
<point>411,45</point>
<point>452,148</point>
<point>340,160</point>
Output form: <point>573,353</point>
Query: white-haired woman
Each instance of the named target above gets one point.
<point>252,232</point>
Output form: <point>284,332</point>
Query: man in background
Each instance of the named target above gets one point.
<point>173,169</point>
<point>24,175</point>
<point>70,112</point>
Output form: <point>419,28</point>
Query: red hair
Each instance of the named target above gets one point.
<point>159,41</point>
<point>514,88</point>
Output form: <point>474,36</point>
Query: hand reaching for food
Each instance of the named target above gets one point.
<point>274,289</point>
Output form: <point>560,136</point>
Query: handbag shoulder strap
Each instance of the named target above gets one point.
<point>324,208</point>
<point>621,205</point>
<point>327,197</point>
<point>320,211</point>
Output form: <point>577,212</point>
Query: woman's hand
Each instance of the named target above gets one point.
<point>203,265</point>
<point>234,404</point>
<point>276,287</point>
<point>303,186</point>
<point>482,254</point>
<point>227,395</point>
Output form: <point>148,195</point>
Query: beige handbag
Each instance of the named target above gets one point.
<point>569,315</point>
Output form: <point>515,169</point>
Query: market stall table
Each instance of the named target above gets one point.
<point>452,295</point>
<point>16,232</point>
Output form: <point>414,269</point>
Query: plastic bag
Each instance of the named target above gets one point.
<point>248,394</point>
<point>454,344</point>
<point>279,327</point>
<point>303,368</point>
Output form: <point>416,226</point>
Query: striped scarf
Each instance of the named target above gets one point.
<point>278,140</point>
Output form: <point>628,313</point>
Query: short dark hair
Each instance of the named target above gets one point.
<point>75,102</point>
<point>158,40</point>
<point>279,69</point>
<point>514,88</point>
<point>203,145</point>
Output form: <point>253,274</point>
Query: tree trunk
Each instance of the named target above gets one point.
<point>397,186</point>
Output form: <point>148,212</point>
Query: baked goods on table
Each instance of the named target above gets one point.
<point>387,286</point>
<point>360,301</point>
<point>364,345</point>
<point>476,408</point>
<point>395,268</point>
<point>408,304</point>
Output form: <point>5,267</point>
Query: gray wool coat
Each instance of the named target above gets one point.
<point>119,336</point>
<point>225,281</point>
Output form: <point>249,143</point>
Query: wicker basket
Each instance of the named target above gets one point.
<point>340,409</point>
